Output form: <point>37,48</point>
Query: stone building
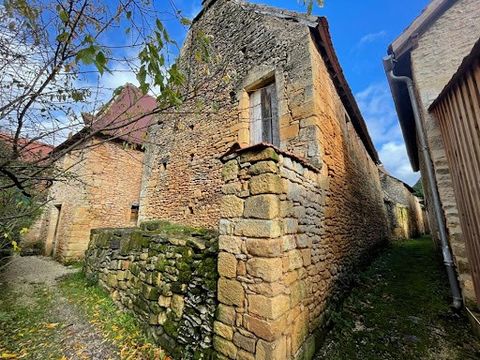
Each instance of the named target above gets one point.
<point>104,177</point>
<point>405,212</point>
<point>430,51</point>
<point>274,153</point>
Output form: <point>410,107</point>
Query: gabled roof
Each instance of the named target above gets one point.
<point>320,31</point>
<point>30,150</point>
<point>122,118</point>
<point>118,117</point>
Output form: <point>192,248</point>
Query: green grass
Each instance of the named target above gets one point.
<point>30,329</point>
<point>27,329</point>
<point>399,309</point>
<point>117,325</point>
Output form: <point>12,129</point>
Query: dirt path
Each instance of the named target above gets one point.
<point>78,339</point>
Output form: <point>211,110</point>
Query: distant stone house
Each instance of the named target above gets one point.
<point>405,212</point>
<point>104,177</point>
<point>274,153</point>
<point>430,51</point>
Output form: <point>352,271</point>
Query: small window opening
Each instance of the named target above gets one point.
<point>190,210</point>
<point>134,213</point>
<point>192,157</point>
<point>264,126</point>
<point>191,126</point>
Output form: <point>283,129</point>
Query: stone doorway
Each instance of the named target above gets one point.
<point>52,241</point>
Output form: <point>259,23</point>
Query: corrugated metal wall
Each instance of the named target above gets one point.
<point>458,112</point>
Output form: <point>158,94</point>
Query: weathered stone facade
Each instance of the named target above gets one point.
<point>286,251</point>
<point>166,275</point>
<point>182,174</point>
<point>105,183</point>
<point>435,58</point>
<point>405,213</point>
<point>294,221</point>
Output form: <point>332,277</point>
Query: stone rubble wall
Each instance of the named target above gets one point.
<point>166,276</point>
<point>278,267</point>
<point>405,214</point>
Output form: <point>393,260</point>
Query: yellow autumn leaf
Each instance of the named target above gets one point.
<point>51,325</point>
<point>6,355</point>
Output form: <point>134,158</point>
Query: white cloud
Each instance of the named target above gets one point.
<point>396,162</point>
<point>371,37</point>
<point>377,108</point>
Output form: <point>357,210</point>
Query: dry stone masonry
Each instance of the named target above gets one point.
<point>278,274</point>
<point>166,275</point>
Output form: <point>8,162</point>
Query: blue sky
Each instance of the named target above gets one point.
<point>361,31</point>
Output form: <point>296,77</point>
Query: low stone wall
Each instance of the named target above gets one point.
<point>278,266</point>
<point>167,276</point>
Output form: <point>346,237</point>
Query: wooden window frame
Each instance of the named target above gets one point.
<point>264,122</point>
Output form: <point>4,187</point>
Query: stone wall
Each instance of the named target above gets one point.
<point>182,178</point>
<point>105,183</point>
<point>166,276</point>
<point>404,212</point>
<point>284,258</point>
<point>437,56</point>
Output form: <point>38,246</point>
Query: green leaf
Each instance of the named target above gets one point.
<point>185,21</point>
<point>129,15</point>
<point>62,37</point>
<point>63,16</point>
<point>100,62</point>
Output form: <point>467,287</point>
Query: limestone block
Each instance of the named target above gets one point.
<point>112,280</point>
<point>299,331</point>
<point>230,170</point>
<point>230,244</point>
<point>258,228</point>
<point>268,289</point>
<point>262,207</point>
<point>164,301</point>
<point>177,305</point>
<point>226,314</point>
<point>268,307</point>
<point>234,188</point>
<point>265,184</point>
<point>243,355</point>
<point>227,265</point>
<point>225,347</point>
<point>265,154</point>
<point>268,269</point>
<point>244,342</point>
<point>290,226</point>
<point>263,167</point>
<point>269,330</point>
<point>265,247</point>
<point>275,350</point>
<point>231,206</point>
<point>295,259</point>
<point>230,292</point>
<point>223,330</point>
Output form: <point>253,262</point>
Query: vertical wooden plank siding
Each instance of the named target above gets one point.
<point>458,113</point>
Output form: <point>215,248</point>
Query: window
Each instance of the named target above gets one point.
<point>134,213</point>
<point>264,116</point>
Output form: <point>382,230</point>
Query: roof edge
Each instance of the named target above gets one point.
<point>407,39</point>
<point>324,40</point>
